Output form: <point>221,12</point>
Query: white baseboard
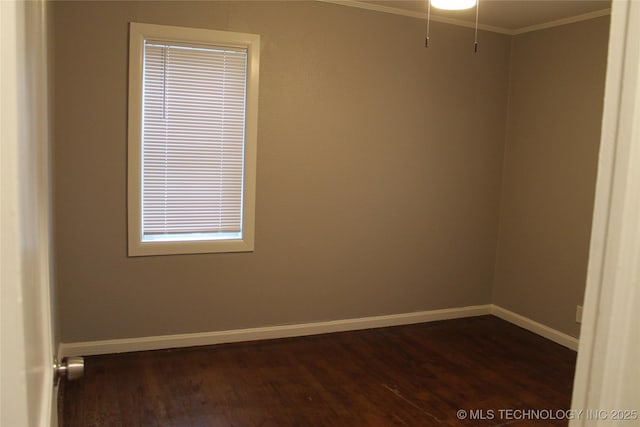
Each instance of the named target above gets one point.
<point>535,327</point>
<point>90,348</point>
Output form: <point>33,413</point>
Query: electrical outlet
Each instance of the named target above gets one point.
<point>579,314</point>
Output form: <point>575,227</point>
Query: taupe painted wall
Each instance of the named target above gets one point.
<point>553,133</point>
<point>378,183</point>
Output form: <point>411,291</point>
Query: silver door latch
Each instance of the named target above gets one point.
<point>70,367</point>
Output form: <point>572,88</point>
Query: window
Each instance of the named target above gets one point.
<point>193,97</point>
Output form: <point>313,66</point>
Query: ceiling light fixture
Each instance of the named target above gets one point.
<point>453,5</point>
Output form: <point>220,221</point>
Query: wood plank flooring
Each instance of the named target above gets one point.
<point>417,375</point>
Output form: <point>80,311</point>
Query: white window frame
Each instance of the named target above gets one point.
<point>251,42</point>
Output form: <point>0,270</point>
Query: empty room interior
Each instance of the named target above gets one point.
<point>414,221</point>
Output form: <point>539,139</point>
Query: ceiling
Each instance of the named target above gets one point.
<point>507,16</point>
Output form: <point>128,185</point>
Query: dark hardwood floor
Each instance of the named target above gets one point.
<point>417,375</point>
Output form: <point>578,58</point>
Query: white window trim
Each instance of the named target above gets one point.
<point>251,42</point>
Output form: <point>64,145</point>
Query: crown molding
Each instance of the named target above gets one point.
<point>511,32</point>
<point>414,14</point>
<point>564,21</point>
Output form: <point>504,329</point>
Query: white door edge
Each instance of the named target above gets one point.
<point>607,381</point>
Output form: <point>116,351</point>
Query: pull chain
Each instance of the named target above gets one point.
<point>475,42</point>
<point>426,41</point>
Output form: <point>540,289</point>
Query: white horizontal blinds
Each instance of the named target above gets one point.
<point>193,141</point>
